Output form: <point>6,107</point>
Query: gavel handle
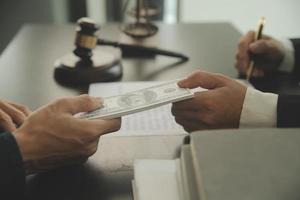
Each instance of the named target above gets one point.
<point>142,49</point>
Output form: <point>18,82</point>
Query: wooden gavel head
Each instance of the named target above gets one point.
<point>88,64</point>
<point>86,38</point>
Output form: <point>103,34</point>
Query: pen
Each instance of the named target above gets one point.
<point>258,36</point>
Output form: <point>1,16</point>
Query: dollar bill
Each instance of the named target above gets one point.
<point>140,100</point>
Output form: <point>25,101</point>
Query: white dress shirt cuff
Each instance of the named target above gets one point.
<point>288,61</point>
<point>259,109</point>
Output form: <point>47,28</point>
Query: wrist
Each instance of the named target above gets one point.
<point>26,149</point>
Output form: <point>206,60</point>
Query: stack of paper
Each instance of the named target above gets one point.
<point>156,180</point>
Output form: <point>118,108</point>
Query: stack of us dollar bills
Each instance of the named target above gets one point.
<point>140,100</point>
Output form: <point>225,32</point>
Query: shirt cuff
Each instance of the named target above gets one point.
<point>259,109</point>
<point>288,62</point>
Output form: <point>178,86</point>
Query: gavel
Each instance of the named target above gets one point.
<point>87,64</point>
<point>79,67</point>
<point>86,40</point>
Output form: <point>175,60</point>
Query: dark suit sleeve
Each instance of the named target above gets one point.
<point>296,44</point>
<point>288,111</point>
<point>12,174</point>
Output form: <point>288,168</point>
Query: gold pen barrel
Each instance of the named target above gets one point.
<point>258,36</point>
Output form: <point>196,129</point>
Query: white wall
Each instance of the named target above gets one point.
<point>14,13</point>
<point>283,16</point>
<point>96,10</point>
<point>60,11</point>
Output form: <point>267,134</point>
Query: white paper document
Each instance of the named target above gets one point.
<point>157,121</point>
<point>157,179</point>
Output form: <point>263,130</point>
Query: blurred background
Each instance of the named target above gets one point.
<point>282,16</point>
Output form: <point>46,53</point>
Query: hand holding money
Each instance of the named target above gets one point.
<point>140,100</point>
<point>218,107</point>
<point>52,137</point>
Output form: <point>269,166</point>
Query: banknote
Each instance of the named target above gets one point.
<point>140,100</point>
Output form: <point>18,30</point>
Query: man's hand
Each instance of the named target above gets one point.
<point>53,137</point>
<point>12,115</point>
<point>218,107</point>
<point>267,54</point>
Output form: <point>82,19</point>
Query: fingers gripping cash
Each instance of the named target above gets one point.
<point>140,100</point>
<point>52,137</point>
<point>194,107</point>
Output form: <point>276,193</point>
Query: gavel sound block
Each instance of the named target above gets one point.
<point>88,63</point>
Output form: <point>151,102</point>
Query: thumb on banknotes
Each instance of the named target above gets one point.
<point>202,79</point>
<point>74,105</point>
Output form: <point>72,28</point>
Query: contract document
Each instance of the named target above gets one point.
<point>157,121</point>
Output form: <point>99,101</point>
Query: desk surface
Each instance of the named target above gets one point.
<point>26,69</point>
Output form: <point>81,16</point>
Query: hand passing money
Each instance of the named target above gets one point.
<point>140,100</point>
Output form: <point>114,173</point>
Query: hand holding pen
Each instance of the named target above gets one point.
<point>258,36</point>
<point>255,57</point>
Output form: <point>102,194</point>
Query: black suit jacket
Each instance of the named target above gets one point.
<point>288,106</point>
<point>12,174</point>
